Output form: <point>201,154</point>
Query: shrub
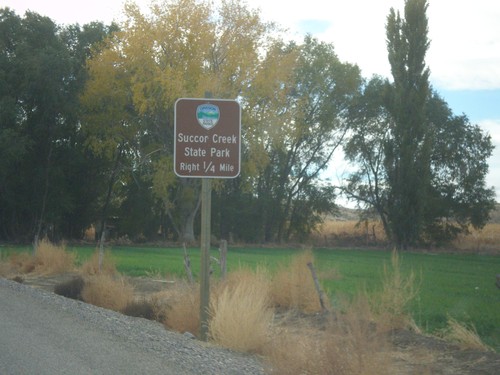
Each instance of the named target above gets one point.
<point>240,312</point>
<point>107,291</point>
<point>71,288</point>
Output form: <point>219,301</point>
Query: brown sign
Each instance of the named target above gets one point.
<point>207,138</point>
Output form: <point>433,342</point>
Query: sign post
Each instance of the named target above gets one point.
<point>207,145</point>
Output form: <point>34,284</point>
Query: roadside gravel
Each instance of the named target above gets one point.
<point>182,354</point>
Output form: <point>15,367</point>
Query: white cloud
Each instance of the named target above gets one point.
<point>465,44</point>
<point>70,12</point>
<point>465,36</point>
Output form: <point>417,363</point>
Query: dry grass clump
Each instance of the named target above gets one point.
<point>20,263</point>
<point>181,308</point>
<point>293,286</point>
<point>107,291</point>
<point>49,259</point>
<point>23,262</point>
<point>91,266</point>
<point>399,289</point>
<point>6,269</point>
<point>465,336</point>
<point>349,344</point>
<point>240,312</point>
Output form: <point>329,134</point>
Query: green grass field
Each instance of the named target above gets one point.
<point>461,286</point>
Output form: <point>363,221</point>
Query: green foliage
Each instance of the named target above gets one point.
<point>45,172</point>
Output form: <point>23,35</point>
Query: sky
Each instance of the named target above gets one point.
<point>464,54</point>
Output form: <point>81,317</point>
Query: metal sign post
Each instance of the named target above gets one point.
<point>207,145</point>
<point>206,208</point>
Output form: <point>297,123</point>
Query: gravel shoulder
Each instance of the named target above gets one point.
<point>175,353</point>
<point>135,345</point>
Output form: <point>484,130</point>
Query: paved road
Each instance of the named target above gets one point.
<point>41,333</point>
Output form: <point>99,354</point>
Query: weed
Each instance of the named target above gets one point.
<point>398,291</point>
<point>464,335</point>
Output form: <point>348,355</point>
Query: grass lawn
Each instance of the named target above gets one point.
<point>461,286</point>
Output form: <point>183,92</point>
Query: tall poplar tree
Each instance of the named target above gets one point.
<point>420,167</point>
<point>408,153</point>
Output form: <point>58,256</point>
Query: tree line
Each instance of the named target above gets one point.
<point>86,129</point>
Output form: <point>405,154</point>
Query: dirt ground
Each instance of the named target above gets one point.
<point>414,354</point>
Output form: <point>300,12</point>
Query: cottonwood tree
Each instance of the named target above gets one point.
<point>181,48</point>
<point>298,122</point>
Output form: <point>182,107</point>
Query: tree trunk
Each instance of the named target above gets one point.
<point>104,214</point>
<point>188,227</point>
<point>44,202</point>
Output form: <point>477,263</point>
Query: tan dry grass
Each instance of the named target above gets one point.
<point>486,239</point>
<point>368,232</point>
<point>181,308</point>
<point>52,259</point>
<point>7,269</point>
<point>107,291</point>
<point>372,232</point>
<point>49,259</point>
<point>240,312</point>
<point>22,263</point>
<point>464,336</point>
<point>293,286</point>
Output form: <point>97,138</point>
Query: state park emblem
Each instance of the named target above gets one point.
<point>207,115</point>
